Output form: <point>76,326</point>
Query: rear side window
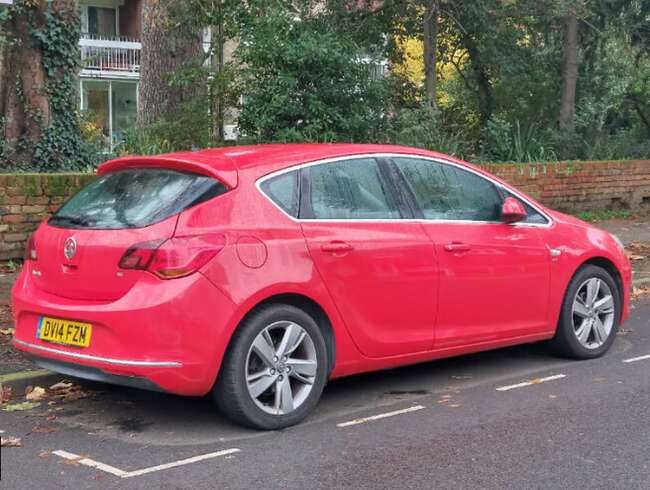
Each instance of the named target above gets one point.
<point>349,189</point>
<point>283,191</point>
<point>135,198</point>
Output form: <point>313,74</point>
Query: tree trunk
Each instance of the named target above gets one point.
<point>218,42</point>
<point>483,85</point>
<point>430,29</point>
<point>167,46</point>
<point>569,74</point>
<point>23,100</point>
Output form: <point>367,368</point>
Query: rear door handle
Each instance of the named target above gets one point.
<point>336,247</point>
<point>457,247</point>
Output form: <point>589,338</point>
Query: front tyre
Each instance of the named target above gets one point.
<point>275,369</point>
<point>590,315</point>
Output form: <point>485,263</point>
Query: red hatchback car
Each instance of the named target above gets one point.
<point>258,273</point>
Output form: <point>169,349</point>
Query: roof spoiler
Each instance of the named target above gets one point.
<point>221,168</point>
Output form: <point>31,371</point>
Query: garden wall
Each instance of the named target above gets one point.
<point>26,199</point>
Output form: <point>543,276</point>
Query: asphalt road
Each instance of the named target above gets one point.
<point>457,423</point>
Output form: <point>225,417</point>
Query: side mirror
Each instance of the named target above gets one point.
<point>512,211</point>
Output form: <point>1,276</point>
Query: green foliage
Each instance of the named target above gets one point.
<point>592,216</point>
<point>303,81</point>
<point>506,142</point>
<point>420,127</point>
<point>61,146</point>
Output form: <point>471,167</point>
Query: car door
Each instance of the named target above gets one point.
<point>379,268</point>
<point>494,277</point>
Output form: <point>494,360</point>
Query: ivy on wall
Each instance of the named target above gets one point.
<point>53,29</point>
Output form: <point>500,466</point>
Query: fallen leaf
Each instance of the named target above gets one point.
<point>454,405</point>
<point>636,257</point>
<point>7,331</point>
<point>61,385</point>
<point>5,394</point>
<point>36,394</point>
<point>44,454</point>
<point>15,407</point>
<point>10,442</point>
<point>43,429</point>
<point>75,461</point>
<point>536,381</point>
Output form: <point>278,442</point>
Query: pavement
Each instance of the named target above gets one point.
<point>635,234</point>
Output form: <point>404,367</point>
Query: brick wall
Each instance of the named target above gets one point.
<point>581,186</point>
<point>26,199</point>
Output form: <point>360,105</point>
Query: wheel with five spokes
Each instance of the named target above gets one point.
<point>590,314</point>
<point>275,369</point>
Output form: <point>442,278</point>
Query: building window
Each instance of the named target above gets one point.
<point>101,22</point>
<point>112,106</point>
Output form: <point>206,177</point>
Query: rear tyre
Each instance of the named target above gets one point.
<point>274,370</point>
<point>590,315</point>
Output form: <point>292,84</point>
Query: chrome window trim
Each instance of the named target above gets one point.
<point>107,360</point>
<point>260,180</point>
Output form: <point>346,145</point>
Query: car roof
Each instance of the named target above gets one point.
<point>226,162</point>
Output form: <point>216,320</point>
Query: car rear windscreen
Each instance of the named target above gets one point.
<point>135,198</point>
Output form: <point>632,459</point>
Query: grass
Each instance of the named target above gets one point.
<point>604,215</point>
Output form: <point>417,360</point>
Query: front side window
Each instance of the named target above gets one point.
<point>446,192</point>
<point>348,189</point>
<point>135,198</point>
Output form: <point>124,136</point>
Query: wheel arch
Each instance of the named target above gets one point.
<point>610,267</point>
<point>308,305</point>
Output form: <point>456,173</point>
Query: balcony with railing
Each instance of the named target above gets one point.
<point>110,56</point>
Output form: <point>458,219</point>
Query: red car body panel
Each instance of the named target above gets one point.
<point>500,286</point>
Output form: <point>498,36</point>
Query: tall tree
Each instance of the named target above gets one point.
<point>37,97</point>
<point>23,102</point>
<point>168,46</point>
<point>430,37</point>
<point>569,72</point>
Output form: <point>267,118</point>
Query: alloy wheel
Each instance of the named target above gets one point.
<point>593,313</point>
<point>281,367</point>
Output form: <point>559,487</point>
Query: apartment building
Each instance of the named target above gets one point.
<point>110,55</point>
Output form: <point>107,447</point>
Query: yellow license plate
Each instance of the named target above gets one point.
<point>64,332</point>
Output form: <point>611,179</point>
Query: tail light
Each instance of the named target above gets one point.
<point>176,257</point>
<point>30,249</point>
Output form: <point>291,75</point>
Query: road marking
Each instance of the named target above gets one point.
<point>530,383</point>
<point>640,358</point>
<point>91,463</point>
<point>414,408</point>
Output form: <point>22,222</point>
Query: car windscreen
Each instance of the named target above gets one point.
<point>135,198</point>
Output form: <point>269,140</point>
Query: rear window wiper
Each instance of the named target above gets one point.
<point>73,220</point>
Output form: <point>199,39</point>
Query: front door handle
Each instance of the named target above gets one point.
<point>457,247</point>
<point>336,247</point>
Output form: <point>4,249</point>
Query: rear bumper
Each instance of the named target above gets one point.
<point>92,373</point>
<point>163,335</point>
